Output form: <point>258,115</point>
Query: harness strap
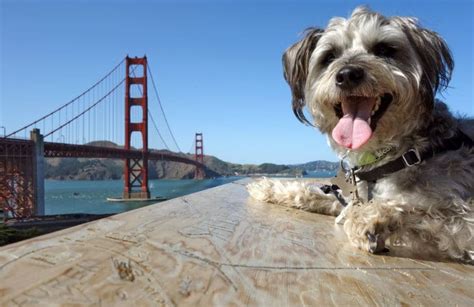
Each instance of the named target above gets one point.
<point>408,159</point>
<point>414,157</point>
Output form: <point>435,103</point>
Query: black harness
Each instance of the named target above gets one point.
<point>413,157</point>
<point>410,158</point>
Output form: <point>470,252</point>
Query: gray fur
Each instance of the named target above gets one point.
<point>295,68</point>
<point>426,208</point>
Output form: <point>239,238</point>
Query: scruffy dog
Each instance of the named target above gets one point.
<point>370,83</point>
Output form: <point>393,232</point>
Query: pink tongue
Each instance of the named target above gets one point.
<point>353,130</point>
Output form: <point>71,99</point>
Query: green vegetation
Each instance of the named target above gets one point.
<point>9,235</point>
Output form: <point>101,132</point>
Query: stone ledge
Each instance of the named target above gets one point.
<point>218,247</point>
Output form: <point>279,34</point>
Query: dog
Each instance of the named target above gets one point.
<point>369,83</point>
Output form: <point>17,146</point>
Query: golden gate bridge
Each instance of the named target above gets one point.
<point>115,110</point>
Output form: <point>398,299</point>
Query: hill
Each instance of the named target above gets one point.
<point>319,165</point>
<point>102,169</point>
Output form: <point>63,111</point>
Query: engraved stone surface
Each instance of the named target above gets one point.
<point>219,247</point>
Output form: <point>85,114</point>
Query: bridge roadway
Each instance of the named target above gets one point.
<point>60,150</point>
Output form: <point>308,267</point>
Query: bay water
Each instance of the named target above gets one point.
<point>82,196</point>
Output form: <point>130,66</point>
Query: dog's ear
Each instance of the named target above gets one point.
<point>436,59</point>
<point>295,69</point>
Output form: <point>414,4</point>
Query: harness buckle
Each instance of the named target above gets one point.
<point>411,157</point>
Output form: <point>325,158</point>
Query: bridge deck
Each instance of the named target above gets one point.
<point>61,150</point>
<point>219,247</point>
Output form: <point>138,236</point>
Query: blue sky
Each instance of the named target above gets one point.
<point>217,63</point>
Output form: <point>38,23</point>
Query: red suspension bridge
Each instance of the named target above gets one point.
<point>79,128</point>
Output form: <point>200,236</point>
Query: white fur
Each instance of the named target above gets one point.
<point>295,194</point>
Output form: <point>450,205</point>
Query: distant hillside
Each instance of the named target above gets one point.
<point>320,165</point>
<point>101,169</point>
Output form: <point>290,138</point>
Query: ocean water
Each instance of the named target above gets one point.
<point>81,196</point>
<point>320,174</point>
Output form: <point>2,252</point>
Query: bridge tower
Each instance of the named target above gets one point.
<point>136,170</point>
<point>199,156</point>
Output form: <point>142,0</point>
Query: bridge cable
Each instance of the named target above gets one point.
<point>191,149</point>
<point>161,107</point>
<point>156,128</point>
<point>70,102</point>
<point>152,119</point>
<point>86,110</point>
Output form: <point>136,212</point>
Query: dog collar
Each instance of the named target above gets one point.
<point>368,157</point>
<point>414,157</point>
<point>345,182</point>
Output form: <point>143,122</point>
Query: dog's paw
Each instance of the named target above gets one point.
<point>368,237</point>
<point>369,226</point>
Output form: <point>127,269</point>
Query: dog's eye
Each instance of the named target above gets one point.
<point>384,50</point>
<point>328,58</point>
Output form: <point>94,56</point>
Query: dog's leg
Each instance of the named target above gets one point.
<point>444,234</point>
<point>449,232</point>
<point>368,226</point>
<point>296,194</point>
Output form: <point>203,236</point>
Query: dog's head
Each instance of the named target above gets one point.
<point>368,80</point>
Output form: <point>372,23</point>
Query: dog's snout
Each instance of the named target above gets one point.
<point>349,77</point>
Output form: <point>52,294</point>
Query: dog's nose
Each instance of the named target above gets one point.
<point>349,77</point>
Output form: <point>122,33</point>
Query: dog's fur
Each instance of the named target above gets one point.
<point>427,207</point>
